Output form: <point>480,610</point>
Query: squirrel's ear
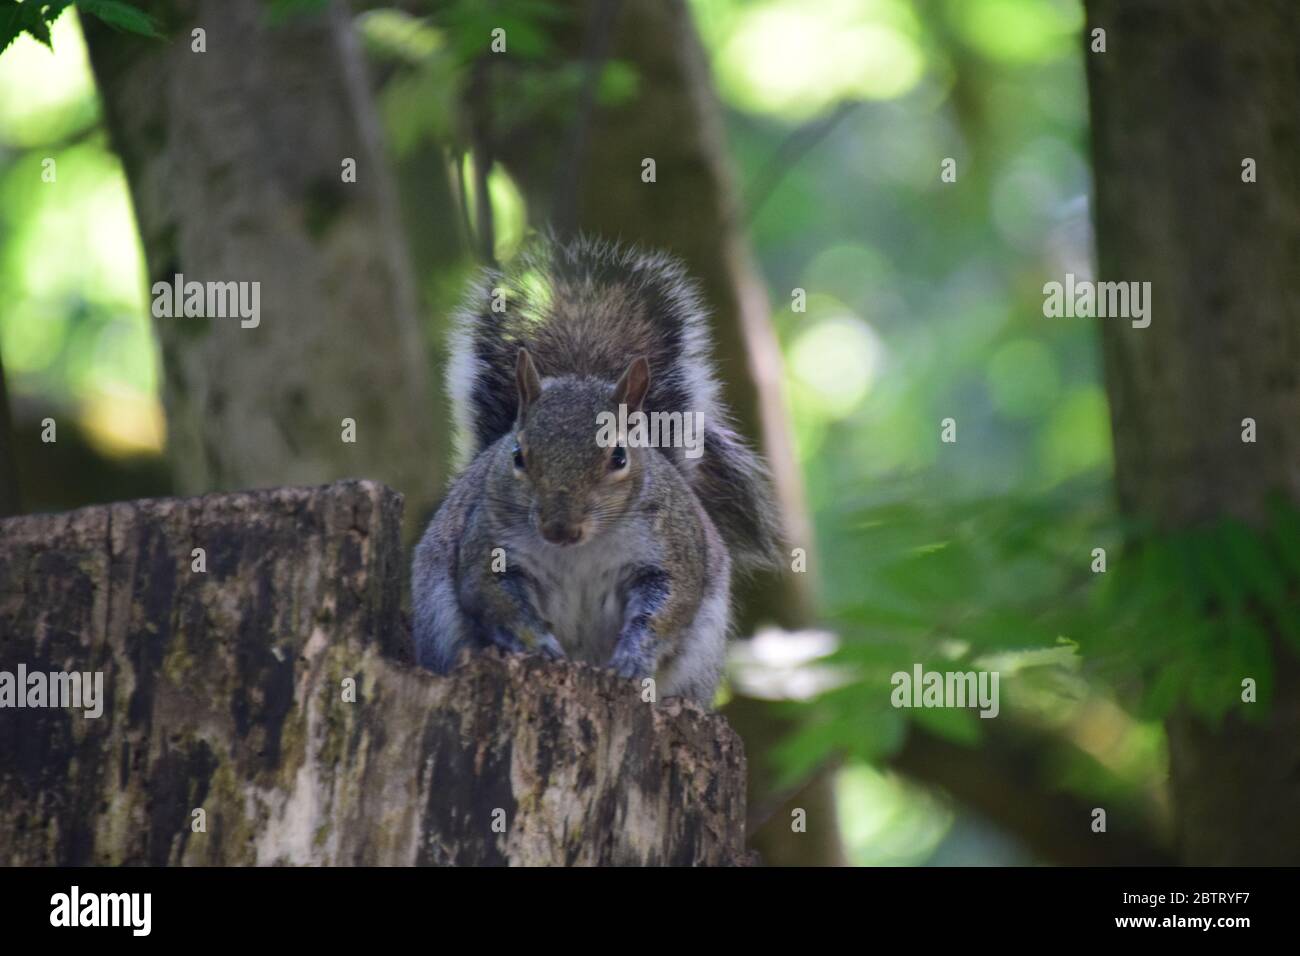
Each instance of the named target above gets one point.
<point>632,387</point>
<point>527,380</point>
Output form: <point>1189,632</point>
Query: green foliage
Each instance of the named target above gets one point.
<point>29,17</point>
<point>470,23</point>
<point>121,15</point>
<point>418,100</point>
<point>953,586</point>
<point>396,36</point>
<point>1176,620</point>
<point>530,86</point>
<point>1184,616</point>
<point>418,106</point>
<point>924,302</point>
<point>35,16</point>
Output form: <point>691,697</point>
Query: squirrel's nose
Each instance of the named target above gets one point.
<point>560,532</point>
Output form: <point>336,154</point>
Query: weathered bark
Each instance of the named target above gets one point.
<point>1186,90</point>
<point>225,691</point>
<point>234,158</point>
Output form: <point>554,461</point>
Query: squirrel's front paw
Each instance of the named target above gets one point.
<point>506,640</point>
<point>631,663</point>
<point>545,644</point>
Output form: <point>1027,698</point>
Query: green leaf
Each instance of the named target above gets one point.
<point>17,18</point>
<point>418,106</point>
<point>121,15</point>
<point>9,23</point>
<point>36,26</point>
<point>961,726</point>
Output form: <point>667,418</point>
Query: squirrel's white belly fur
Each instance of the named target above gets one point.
<point>580,596</point>
<point>578,593</point>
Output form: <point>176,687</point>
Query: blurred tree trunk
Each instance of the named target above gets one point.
<point>589,178</point>
<point>441,261</point>
<point>1186,91</point>
<point>235,158</point>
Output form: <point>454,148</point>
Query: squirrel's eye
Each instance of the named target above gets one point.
<point>618,458</point>
<point>519,457</point>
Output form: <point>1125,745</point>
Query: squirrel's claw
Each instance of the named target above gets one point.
<point>629,664</point>
<point>546,645</point>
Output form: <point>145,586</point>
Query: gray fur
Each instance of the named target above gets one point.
<point>643,586</point>
<point>605,304</point>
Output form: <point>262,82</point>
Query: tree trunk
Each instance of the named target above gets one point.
<point>235,161</point>
<point>227,690</point>
<point>1186,91</point>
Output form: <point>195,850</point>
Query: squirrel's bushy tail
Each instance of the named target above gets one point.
<point>587,308</point>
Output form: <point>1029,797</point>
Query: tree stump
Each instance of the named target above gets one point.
<point>258,710</point>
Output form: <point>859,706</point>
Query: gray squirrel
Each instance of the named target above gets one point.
<point>556,540</point>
